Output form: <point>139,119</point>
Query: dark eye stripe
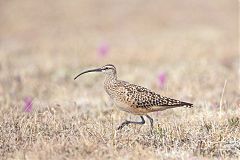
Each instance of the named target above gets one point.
<point>110,66</point>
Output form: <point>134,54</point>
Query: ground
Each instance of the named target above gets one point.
<point>45,44</point>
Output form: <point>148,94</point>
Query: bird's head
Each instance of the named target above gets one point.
<point>108,69</point>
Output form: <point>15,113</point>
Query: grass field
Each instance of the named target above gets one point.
<point>45,44</point>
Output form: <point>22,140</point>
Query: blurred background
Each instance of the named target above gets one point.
<point>187,50</point>
<point>184,49</point>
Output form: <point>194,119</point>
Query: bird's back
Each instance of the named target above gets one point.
<point>139,100</point>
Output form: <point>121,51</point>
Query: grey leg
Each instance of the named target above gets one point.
<point>128,122</point>
<point>150,119</point>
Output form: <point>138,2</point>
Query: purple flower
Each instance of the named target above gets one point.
<point>161,79</point>
<point>28,104</point>
<point>103,50</point>
<point>214,106</point>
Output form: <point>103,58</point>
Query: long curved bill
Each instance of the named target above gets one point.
<point>87,71</point>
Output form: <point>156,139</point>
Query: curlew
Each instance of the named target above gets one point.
<point>133,98</point>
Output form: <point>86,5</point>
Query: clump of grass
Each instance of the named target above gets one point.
<point>234,121</point>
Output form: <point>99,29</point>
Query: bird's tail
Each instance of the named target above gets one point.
<point>186,104</point>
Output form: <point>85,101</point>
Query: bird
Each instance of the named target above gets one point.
<point>133,98</point>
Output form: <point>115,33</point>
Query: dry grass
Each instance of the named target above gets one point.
<point>42,47</point>
<point>56,132</point>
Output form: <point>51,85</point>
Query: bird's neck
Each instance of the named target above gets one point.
<point>110,84</point>
<point>110,79</point>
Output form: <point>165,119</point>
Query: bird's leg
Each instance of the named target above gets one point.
<point>128,122</point>
<point>151,120</point>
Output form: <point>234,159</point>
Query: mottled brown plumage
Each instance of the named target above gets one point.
<point>133,98</point>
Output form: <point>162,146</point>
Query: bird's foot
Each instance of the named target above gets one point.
<point>123,125</point>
